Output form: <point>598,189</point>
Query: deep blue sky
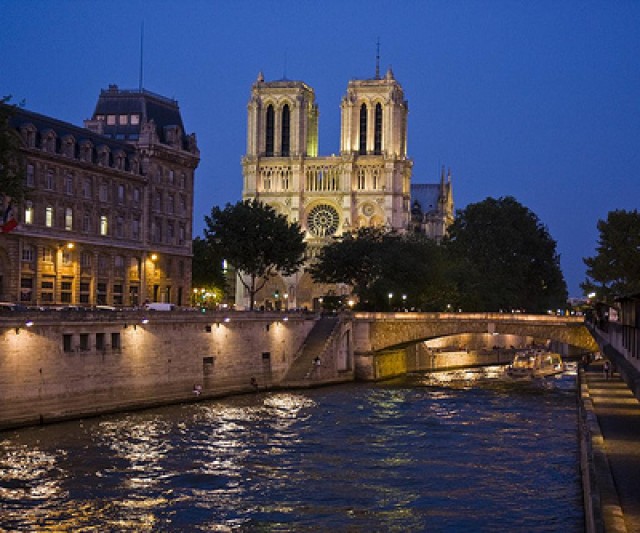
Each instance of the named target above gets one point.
<point>536,100</point>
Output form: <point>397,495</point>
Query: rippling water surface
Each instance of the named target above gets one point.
<point>452,451</point>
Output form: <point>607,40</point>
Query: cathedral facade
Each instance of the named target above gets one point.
<point>367,184</point>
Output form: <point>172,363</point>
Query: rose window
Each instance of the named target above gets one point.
<point>323,220</point>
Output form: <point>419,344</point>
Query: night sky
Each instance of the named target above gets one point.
<point>535,100</point>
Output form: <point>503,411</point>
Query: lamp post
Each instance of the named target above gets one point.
<point>390,298</point>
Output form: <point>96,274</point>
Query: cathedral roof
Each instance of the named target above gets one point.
<point>426,195</point>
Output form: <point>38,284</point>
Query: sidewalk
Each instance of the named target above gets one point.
<point>615,441</point>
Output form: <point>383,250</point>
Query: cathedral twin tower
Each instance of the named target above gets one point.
<point>367,184</point>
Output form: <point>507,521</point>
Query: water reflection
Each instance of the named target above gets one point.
<point>461,450</point>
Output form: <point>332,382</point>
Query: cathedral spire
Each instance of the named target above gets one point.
<point>378,59</point>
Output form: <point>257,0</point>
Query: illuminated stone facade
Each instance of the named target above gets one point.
<point>367,184</point>
<point>108,214</point>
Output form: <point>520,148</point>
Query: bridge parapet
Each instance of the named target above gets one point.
<point>379,331</point>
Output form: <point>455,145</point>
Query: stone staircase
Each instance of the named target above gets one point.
<point>304,371</point>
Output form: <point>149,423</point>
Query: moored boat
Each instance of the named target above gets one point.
<point>535,364</point>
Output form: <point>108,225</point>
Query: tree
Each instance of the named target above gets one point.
<point>615,269</point>
<point>11,159</point>
<point>257,241</point>
<point>207,271</point>
<point>387,270</point>
<point>352,259</point>
<point>502,258</point>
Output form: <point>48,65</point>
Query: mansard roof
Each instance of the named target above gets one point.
<point>21,118</point>
<point>164,112</point>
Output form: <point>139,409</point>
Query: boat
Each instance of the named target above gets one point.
<point>535,364</point>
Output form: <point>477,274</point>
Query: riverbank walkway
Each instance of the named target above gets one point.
<point>617,446</point>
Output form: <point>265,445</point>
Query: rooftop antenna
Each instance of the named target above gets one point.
<point>141,54</point>
<point>378,59</point>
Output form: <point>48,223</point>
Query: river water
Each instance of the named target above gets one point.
<point>450,451</point>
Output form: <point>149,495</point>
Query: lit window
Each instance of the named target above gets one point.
<point>111,120</point>
<point>48,217</point>
<point>135,119</point>
<point>28,215</point>
<point>123,119</point>
<point>103,225</point>
<point>47,255</point>
<point>68,219</point>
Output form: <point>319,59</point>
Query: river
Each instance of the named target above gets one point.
<point>451,451</point>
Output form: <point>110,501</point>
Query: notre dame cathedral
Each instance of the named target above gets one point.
<point>367,184</point>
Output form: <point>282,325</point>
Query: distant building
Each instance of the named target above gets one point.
<point>108,214</point>
<point>432,207</point>
<point>367,184</point>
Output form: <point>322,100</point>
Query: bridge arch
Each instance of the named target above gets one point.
<point>375,332</point>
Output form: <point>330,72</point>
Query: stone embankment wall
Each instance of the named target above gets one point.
<point>68,365</point>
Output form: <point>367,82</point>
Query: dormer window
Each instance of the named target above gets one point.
<point>103,156</point>
<point>49,142</point>
<point>69,146</point>
<point>111,120</point>
<point>86,151</point>
<point>120,159</point>
<point>135,119</point>
<point>123,120</point>
<point>29,134</point>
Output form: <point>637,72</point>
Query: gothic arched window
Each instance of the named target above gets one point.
<point>286,145</point>
<point>270,130</point>
<point>363,129</point>
<point>377,139</point>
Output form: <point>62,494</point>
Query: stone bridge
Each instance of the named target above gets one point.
<point>375,332</point>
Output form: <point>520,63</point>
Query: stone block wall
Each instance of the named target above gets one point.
<point>60,369</point>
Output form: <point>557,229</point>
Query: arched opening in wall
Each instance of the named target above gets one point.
<point>285,141</point>
<point>363,130</point>
<point>377,138</point>
<point>270,131</point>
